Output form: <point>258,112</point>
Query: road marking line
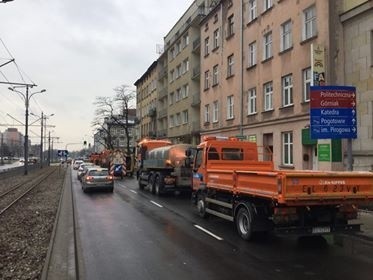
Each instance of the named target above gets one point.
<point>133,191</point>
<point>155,203</point>
<point>209,232</point>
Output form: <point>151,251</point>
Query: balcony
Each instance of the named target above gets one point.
<point>196,99</point>
<point>196,73</point>
<point>162,113</point>
<point>162,73</point>
<point>162,93</point>
<point>152,112</point>
<point>196,127</point>
<point>197,45</point>
<point>162,133</point>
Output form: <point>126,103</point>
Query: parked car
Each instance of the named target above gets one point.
<point>97,178</point>
<point>83,169</point>
<point>77,163</point>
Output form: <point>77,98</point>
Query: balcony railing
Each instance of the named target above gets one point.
<point>196,127</point>
<point>162,113</point>
<point>152,112</point>
<point>162,93</point>
<point>196,99</point>
<point>197,44</point>
<point>196,72</point>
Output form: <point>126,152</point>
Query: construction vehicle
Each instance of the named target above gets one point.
<point>116,161</point>
<point>233,180</point>
<point>165,169</point>
<point>145,146</point>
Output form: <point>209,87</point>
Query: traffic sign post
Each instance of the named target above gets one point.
<point>333,112</point>
<point>62,153</point>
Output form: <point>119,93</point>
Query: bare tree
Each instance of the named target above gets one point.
<point>114,111</point>
<point>125,96</point>
<point>104,111</point>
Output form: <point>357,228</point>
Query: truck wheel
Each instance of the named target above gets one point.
<point>157,186</point>
<point>201,206</point>
<point>244,223</point>
<point>141,186</point>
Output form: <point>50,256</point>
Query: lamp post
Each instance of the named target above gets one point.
<point>26,97</point>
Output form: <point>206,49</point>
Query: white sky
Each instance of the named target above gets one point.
<point>77,50</point>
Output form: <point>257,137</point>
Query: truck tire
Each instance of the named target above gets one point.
<point>201,205</point>
<point>244,220</point>
<point>141,186</point>
<point>158,187</point>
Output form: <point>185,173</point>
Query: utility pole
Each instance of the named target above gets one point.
<point>2,149</point>
<point>41,141</point>
<point>27,98</point>
<point>49,148</point>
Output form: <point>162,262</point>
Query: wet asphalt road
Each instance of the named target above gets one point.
<point>132,234</point>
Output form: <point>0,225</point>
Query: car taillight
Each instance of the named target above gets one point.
<point>109,177</point>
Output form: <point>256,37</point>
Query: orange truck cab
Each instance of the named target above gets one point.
<point>236,180</point>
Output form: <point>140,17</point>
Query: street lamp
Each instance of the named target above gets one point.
<point>26,97</point>
<point>4,1</point>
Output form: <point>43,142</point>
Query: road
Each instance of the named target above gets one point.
<point>132,234</point>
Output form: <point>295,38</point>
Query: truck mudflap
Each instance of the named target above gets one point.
<point>318,230</point>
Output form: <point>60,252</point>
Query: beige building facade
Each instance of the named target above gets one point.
<point>146,103</point>
<point>244,68</point>
<point>256,83</point>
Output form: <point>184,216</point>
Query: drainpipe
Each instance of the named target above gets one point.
<point>241,69</point>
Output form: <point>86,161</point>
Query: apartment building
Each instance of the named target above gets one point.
<point>146,102</point>
<point>355,67</point>
<point>182,49</point>
<point>257,75</point>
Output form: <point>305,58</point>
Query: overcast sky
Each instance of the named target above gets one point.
<point>77,50</point>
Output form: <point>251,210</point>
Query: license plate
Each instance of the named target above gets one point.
<point>320,230</point>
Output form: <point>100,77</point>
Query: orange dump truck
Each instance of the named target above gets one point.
<point>232,180</point>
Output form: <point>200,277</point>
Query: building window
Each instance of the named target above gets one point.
<point>230,65</point>
<point>185,66</point>
<point>207,46</point>
<point>230,114</point>
<point>252,54</point>
<point>171,78</point>
<point>252,10</point>
<point>251,101</point>
<point>185,116</point>
<point>178,95</point>
<point>178,71</point>
<point>287,148</point>
<point>215,74</point>
<point>267,46</point>
<point>178,119</point>
<point>309,23</point>
<point>286,36</point>
<point>186,40</point>
<point>216,39</point>
<point>185,91</point>
<point>215,112</point>
<point>172,121</point>
<point>268,96</point>
<point>267,4</point>
<point>206,80</point>
<point>207,113</point>
<point>171,99</point>
<point>287,90</point>
<point>230,29</point>
<point>307,79</point>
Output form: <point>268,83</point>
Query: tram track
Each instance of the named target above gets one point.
<point>11,196</point>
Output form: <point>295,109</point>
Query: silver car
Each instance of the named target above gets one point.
<point>83,169</point>
<point>97,179</point>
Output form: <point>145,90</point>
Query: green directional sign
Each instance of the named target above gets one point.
<point>323,152</point>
